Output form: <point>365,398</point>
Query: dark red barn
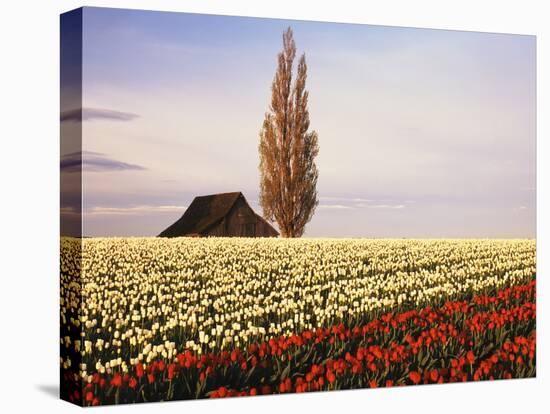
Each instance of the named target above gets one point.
<point>222,215</point>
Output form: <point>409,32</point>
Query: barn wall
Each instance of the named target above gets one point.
<point>241,220</point>
<point>264,230</point>
<point>218,230</point>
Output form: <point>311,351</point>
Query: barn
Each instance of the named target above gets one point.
<point>222,215</point>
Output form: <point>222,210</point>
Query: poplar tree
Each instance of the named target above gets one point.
<point>288,173</point>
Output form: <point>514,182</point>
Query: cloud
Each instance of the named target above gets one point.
<point>135,210</point>
<point>95,162</point>
<point>520,208</point>
<point>346,199</point>
<point>346,203</point>
<point>69,211</point>
<point>383,206</point>
<point>334,207</point>
<point>90,114</point>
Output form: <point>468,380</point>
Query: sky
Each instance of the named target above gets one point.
<point>422,133</point>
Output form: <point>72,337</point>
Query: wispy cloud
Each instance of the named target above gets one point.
<point>69,211</point>
<point>91,114</point>
<point>346,203</point>
<point>382,206</point>
<point>135,210</point>
<point>346,199</point>
<point>95,162</point>
<point>334,207</point>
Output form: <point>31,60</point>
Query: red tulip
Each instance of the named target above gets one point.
<point>139,370</point>
<point>116,381</point>
<point>222,392</point>
<point>171,371</point>
<point>415,377</point>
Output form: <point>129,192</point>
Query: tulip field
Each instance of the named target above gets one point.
<point>155,319</point>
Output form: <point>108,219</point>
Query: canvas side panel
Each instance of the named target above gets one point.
<point>70,205</point>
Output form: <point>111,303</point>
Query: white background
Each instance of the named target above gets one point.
<point>29,121</point>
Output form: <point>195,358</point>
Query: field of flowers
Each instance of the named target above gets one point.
<point>148,319</point>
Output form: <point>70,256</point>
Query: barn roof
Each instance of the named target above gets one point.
<point>203,212</point>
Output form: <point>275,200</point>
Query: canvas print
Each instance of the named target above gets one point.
<point>266,206</point>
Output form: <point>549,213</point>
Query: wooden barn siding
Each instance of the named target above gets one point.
<point>239,215</point>
<point>264,230</point>
<point>218,230</point>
